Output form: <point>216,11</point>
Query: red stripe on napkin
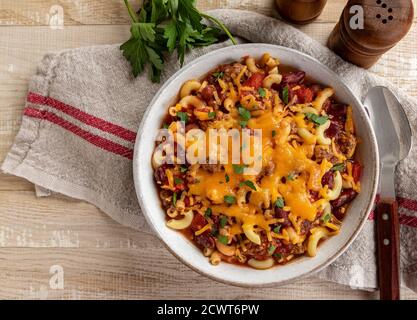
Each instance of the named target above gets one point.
<point>92,138</point>
<point>82,116</point>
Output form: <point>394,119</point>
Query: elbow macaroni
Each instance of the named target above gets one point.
<point>284,211</point>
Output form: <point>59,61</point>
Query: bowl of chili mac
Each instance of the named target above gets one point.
<point>255,164</point>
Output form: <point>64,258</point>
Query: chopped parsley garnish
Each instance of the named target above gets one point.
<point>279,203</point>
<point>326,217</point>
<point>229,199</point>
<point>274,133</point>
<point>165,126</point>
<point>183,169</point>
<point>223,221</point>
<point>285,94</point>
<point>277,229</point>
<point>291,177</point>
<point>178,181</point>
<point>222,239</point>
<point>318,120</point>
<point>218,75</point>
<point>238,169</point>
<point>226,176</point>
<point>207,213</point>
<point>271,249</point>
<point>183,116</point>
<point>262,92</point>
<point>244,113</point>
<point>212,115</point>
<point>214,230</point>
<point>278,255</point>
<point>243,123</point>
<point>338,167</point>
<point>174,199</point>
<point>248,183</point>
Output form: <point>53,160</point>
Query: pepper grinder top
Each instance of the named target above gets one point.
<point>384,23</point>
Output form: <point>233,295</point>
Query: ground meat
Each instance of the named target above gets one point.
<point>205,240</point>
<point>333,130</point>
<point>293,77</point>
<point>323,152</point>
<point>207,93</point>
<point>232,70</point>
<point>282,214</point>
<point>212,168</point>
<point>346,144</point>
<point>299,249</point>
<point>305,227</point>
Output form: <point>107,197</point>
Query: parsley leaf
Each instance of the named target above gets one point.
<point>319,120</point>
<point>218,75</point>
<point>223,221</point>
<point>326,217</point>
<point>243,123</point>
<point>212,115</point>
<point>278,255</point>
<point>222,239</point>
<point>226,176</point>
<point>338,167</point>
<point>183,169</point>
<point>183,116</point>
<point>248,183</point>
<point>229,199</point>
<point>207,213</point>
<point>274,133</point>
<point>290,177</point>
<point>163,26</point>
<point>271,249</point>
<point>244,113</point>
<point>178,181</point>
<point>279,203</point>
<point>262,92</point>
<point>285,94</point>
<point>238,169</point>
<point>277,229</point>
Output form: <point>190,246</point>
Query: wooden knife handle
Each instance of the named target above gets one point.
<point>387,225</point>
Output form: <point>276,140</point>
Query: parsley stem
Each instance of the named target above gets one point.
<point>132,13</point>
<point>221,25</point>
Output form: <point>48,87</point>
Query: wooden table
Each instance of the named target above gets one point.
<point>43,237</point>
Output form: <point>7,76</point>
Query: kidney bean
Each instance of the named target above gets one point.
<point>205,240</point>
<point>198,222</point>
<point>282,214</point>
<point>293,77</point>
<point>328,179</point>
<point>346,196</point>
<point>333,130</point>
<point>337,212</point>
<point>337,111</point>
<point>160,176</point>
<point>255,80</point>
<point>207,93</point>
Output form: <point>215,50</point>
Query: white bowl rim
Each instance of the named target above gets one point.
<point>136,163</point>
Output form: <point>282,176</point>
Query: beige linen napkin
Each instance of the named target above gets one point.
<point>84,107</point>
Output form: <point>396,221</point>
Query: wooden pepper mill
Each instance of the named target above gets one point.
<point>362,42</point>
<point>300,11</point>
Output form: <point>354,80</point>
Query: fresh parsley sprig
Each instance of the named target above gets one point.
<point>163,26</point>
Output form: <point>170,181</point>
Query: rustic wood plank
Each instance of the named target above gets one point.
<point>58,221</point>
<point>91,12</point>
<point>137,273</point>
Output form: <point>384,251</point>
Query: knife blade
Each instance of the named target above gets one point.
<point>393,133</point>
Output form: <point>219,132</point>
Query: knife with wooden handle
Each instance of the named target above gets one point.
<point>393,133</point>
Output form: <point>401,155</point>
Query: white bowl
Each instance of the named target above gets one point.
<point>186,251</point>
